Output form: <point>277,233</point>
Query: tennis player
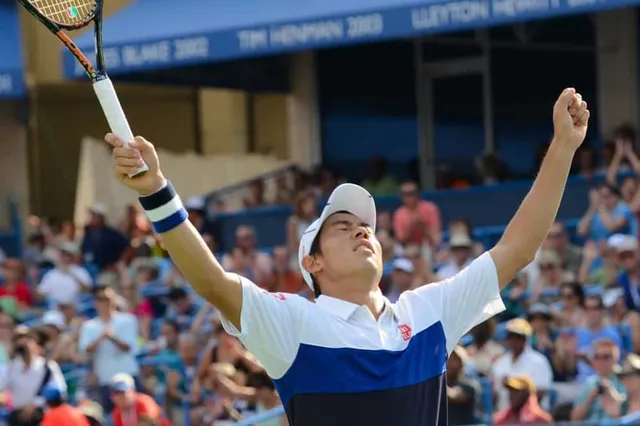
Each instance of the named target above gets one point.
<point>352,357</point>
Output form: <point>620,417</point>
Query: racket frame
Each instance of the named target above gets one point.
<point>102,85</point>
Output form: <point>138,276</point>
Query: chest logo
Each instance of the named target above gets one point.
<point>405,331</point>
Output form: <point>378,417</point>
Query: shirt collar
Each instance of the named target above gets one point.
<point>344,309</point>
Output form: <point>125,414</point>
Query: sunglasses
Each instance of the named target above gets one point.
<point>602,357</point>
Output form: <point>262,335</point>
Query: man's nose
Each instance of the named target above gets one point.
<point>361,232</point>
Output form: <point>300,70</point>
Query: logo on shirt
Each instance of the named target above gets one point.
<point>279,296</point>
<point>405,331</point>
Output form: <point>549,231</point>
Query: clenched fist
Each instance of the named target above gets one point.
<point>570,119</point>
<point>129,157</point>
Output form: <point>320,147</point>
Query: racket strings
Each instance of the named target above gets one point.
<point>66,12</point>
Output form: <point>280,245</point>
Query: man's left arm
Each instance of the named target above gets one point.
<point>127,335</point>
<point>531,223</point>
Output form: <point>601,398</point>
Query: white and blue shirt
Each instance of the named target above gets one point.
<point>334,364</point>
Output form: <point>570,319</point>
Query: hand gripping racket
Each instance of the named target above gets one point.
<point>58,15</point>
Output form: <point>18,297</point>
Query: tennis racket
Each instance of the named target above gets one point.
<point>69,15</point>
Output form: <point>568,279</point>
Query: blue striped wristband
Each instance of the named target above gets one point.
<point>164,209</point>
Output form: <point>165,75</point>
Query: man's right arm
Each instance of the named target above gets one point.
<point>203,272</point>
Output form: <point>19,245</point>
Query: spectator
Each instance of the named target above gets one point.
<point>182,308</point>
<point>102,245</point>
<point>140,308</point>
<point>629,278</point>
<point>603,396</point>
<point>267,398</point>
<point>402,278</point>
<point>599,262</point>
<point>258,265</point>
<point>620,314</point>
<point>304,213</point>
<point>110,342</point>
<point>197,209</point>
<point>542,336</point>
<point>565,357</point>
<point>523,406</point>
<point>485,350</point>
<point>284,194</point>
<point>63,343</point>
<point>520,359</point>
<point>423,271</point>
<point>27,375</point>
<point>607,215</point>
<point>570,312</point>
<point>131,406</point>
<point>461,392</point>
<point>595,329</point>
<point>6,328</point>
<point>380,183</point>
<point>551,274</point>
<point>256,195</point>
<point>181,375</point>
<point>460,246</point>
<point>67,280</point>
<point>14,292</point>
<point>417,221</point>
<point>569,254</point>
<point>287,279</point>
<point>630,378</point>
<point>59,412</point>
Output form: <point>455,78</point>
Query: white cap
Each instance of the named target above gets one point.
<point>403,264</point>
<point>621,243</point>
<point>195,203</point>
<point>460,240</point>
<point>346,197</point>
<point>98,208</point>
<point>53,318</point>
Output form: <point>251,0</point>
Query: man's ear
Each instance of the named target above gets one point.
<point>312,264</point>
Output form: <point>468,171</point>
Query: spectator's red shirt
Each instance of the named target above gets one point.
<point>530,414</point>
<point>428,213</point>
<point>144,405</point>
<point>64,415</point>
<point>143,310</point>
<point>21,292</point>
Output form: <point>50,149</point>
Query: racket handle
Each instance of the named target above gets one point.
<point>112,109</point>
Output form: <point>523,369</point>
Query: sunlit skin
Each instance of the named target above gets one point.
<point>349,265</point>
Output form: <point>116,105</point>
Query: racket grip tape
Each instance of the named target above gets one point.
<point>112,109</point>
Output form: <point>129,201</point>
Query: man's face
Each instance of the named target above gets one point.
<point>609,199</point>
<point>187,350</point>
<point>556,238</point>
<point>517,398</point>
<point>120,399</point>
<point>245,239</point>
<point>170,334</point>
<point>628,260</point>
<point>401,279</point>
<point>348,248</point>
<point>516,342</point>
<point>409,194</point>
<point>182,304</point>
<point>460,254</point>
<point>593,312</point>
<point>603,360</point>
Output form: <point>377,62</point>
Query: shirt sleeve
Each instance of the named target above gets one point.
<point>271,326</point>
<point>460,302</point>
<point>46,284</point>
<point>85,337</point>
<point>56,379</point>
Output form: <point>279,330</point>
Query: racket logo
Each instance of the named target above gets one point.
<point>72,12</point>
<point>76,52</point>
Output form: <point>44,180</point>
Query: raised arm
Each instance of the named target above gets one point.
<point>536,214</point>
<point>169,218</point>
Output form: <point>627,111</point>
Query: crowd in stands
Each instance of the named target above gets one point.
<point>110,326</point>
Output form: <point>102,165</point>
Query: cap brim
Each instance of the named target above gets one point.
<point>345,198</point>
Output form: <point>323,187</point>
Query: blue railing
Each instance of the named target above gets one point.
<point>491,206</point>
<point>11,240</point>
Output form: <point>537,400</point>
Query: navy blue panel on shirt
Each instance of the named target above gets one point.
<point>320,370</point>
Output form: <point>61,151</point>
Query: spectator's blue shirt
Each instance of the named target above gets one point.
<point>596,413</point>
<point>599,232</point>
<point>103,246</point>
<point>586,338</point>
<point>631,291</point>
<point>185,319</point>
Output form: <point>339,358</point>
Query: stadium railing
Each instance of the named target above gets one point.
<point>11,239</point>
<point>491,205</point>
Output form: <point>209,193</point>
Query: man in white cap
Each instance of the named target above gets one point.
<point>352,357</point>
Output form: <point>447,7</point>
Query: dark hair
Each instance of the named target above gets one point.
<point>612,188</point>
<point>626,132</point>
<point>261,380</point>
<point>315,249</point>
<point>576,288</point>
